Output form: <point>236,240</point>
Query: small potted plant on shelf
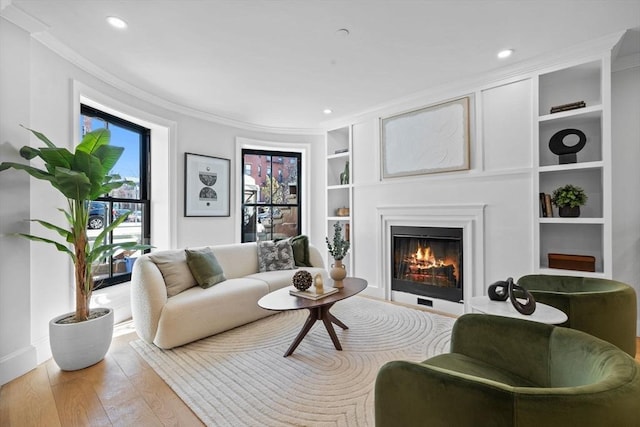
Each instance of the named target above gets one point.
<point>81,338</point>
<point>568,199</point>
<point>338,249</point>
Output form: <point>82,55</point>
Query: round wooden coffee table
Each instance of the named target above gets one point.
<point>281,300</point>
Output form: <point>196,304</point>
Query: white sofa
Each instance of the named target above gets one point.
<point>197,313</point>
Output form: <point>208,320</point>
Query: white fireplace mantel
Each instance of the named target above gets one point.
<point>468,217</point>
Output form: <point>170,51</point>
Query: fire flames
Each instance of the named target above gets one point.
<point>425,257</point>
<point>424,263</point>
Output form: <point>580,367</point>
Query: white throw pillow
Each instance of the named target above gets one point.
<point>274,256</point>
<point>175,271</point>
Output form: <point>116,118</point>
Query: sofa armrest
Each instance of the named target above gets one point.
<point>148,297</point>
<point>315,257</point>
<point>414,394</point>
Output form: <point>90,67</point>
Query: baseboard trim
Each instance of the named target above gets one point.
<point>17,363</point>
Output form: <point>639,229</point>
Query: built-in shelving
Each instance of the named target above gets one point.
<point>589,234</point>
<point>339,194</point>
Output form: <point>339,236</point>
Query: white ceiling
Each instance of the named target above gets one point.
<point>280,63</point>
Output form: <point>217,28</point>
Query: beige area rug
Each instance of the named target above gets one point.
<point>240,377</point>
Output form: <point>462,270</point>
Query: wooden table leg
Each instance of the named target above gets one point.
<point>328,319</point>
<point>332,333</point>
<point>318,313</point>
<point>336,320</point>
<point>313,316</point>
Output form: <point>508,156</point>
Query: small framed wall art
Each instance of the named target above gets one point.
<point>206,185</point>
<point>428,140</point>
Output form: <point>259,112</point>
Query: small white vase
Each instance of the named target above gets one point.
<point>79,345</point>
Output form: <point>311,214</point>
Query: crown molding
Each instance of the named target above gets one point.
<point>17,16</point>
<point>81,62</point>
<point>84,64</point>
<point>580,52</point>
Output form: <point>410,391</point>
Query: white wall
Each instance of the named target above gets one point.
<point>499,177</point>
<point>38,90</point>
<point>626,175</point>
<point>16,353</point>
<point>220,142</point>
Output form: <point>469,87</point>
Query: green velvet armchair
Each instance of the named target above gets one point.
<point>511,372</point>
<point>600,307</point>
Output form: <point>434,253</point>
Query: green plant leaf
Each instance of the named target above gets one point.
<point>57,157</point>
<point>109,156</point>
<point>94,140</point>
<point>29,153</point>
<point>108,250</point>
<point>41,137</point>
<point>59,246</point>
<point>90,166</point>
<point>61,231</point>
<point>569,195</point>
<point>81,177</point>
<point>73,185</point>
<point>340,246</point>
<point>34,172</point>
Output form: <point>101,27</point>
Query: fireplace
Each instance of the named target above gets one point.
<point>427,261</point>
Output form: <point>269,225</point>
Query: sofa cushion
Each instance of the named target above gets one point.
<point>237,260</point>
<point>274,256</point>
<point>300,246</point>
<point>205,267</point>
<point>198,313</point>
<point>175,271</point>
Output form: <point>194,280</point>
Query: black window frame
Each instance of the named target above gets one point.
<point>144,198</point>
<point>270,155</point>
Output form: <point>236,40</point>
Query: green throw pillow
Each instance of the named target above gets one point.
<point>300,245</point>
<point>205,267</point>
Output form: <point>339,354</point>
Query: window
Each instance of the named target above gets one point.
<point>271,205</point>
<point>132,198</point>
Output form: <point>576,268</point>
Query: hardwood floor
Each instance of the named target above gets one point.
<point>122,390</point>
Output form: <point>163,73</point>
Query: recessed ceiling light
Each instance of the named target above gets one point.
<point>327,111</point>
<point>116,22</point>
<point>342,33</point>
<point>505,53</point>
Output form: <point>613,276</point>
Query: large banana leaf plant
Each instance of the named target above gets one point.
<point>81,177</point>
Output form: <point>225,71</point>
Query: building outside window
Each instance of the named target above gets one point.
<point>132,199</point>
<point>271,205</point>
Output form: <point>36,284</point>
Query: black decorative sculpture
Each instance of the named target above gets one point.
<point>567,154</point>
<point>529,306</point>
<point>499,291</point>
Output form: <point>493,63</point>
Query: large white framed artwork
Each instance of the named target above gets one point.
<point>206,185</point>
<point>428,140</point>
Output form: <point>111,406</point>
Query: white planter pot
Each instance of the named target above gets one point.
<point>79,345</point>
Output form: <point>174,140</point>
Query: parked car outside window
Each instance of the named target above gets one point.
<point>97,215</point>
